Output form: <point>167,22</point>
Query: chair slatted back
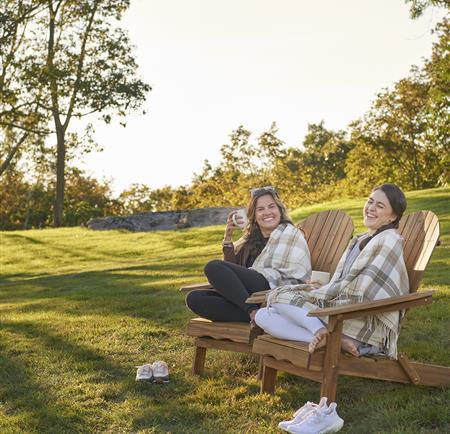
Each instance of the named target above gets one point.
<point>420,231</point>
<point>327,234</point>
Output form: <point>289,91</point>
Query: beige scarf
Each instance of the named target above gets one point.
<point>378,272</point>
<point>285,260</point>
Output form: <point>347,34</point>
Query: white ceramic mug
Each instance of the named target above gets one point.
<point>321,276</point>
<point>243,220</point>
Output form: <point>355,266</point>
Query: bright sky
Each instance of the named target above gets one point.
<point>216,64</point>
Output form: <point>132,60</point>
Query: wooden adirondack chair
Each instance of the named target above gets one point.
<point>327,234</point>
<point>421,232</point>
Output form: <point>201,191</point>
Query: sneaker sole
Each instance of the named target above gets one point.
<point>160,380</point>
<point>335,428</point>
<point>147,380</point>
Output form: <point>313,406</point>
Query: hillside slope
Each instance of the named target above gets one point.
<point>80,309</point>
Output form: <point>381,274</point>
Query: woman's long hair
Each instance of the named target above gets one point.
<point>398,204</point>
<point>253,235</point>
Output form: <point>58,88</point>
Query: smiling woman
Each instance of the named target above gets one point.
<point>372,268</point>
<point>383,210</point>
<point>272,252</point>
<point>267,215</point>
<point>378,211</point>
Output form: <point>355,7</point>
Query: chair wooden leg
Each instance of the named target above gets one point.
<point>199,360</point>
<point>260,368</point>
<point>268,379</point>
<point>331,361</point>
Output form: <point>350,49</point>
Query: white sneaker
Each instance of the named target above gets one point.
<point>144,373</point>
<point>319,421</point>
<point>160,372</point>
<point>302,412</point>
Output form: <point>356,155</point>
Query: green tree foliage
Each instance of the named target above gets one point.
<point>365,166</point>
<point>136,199</point>
<point>298,174</point>
<point>23,118</point>
<point>13,199</point>
<point>325,154</point>
<point>405,133</point>
<point>229,182</point>
<point>402,138</point>
<point>417,7</point>
<point>437,69</point>
<point>291,178</point>
<point>79,61</point>
<point>139,198</point>
<point>25,204</point>
<point>396,124</point>
<point>87,198</point>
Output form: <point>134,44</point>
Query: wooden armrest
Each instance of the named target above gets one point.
<point>195,286</point>
<point>258,297</point>
<point>357,310</point>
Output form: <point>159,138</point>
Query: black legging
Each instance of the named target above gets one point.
<point>233,284</point>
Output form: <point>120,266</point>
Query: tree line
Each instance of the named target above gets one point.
<point>402,138</point>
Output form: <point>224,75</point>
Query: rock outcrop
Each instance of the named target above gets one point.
<point>164,220</point>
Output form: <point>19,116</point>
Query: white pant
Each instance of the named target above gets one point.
<point>285,321</point>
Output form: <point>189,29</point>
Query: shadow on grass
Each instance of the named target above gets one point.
<point>20,238</point>
<point>179,264</point>
<point>146,292</point>
<point>120,251</point>
<point>168,410</point>
<point>37,401</point>
<point>207,403</point>
<point>67,366</point>
<point>53,247</point>
<point>372,406</point>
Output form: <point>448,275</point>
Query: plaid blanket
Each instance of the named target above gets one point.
<point>378,272</point>
<point>285,260</point>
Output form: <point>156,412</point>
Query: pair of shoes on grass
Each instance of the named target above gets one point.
<point>156,372</point>
<point>314,419</point>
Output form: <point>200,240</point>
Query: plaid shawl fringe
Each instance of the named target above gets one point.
<point>379,272</point>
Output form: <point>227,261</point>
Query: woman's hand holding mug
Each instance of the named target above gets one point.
<point>235,219</point>
<point>239,218</point>
<point>318,279</point>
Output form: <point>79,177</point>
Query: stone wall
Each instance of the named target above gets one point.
<point>165,220</point>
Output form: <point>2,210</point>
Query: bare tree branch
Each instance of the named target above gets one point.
<point>12,153</point>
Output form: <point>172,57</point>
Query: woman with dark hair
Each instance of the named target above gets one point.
<point>272,252</point>
<point>372,268</point>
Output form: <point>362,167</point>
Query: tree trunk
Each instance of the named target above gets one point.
<point>59,127</point>
<point>28,211</point>
<point>60,179</point>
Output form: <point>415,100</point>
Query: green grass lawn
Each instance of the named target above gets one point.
<point>80,309</point>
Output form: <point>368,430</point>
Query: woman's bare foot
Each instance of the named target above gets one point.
<point>318,340</point>
<point>349,346</point>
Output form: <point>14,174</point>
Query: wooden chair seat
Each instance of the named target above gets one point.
<point>421,233</point>
<point>293,357</point>
<point>227,336</point>
<point>232,331</point>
